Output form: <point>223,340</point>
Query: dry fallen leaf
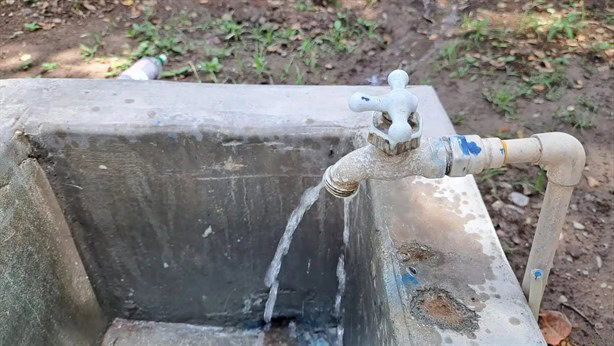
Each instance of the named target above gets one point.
<point>135,13</point>
<point>88,6</point>
<point>592,182</point>
<point>127,2</point>
<point>539,87</point>
<point>274,48</point>
<point>554,326</point>
<point>544,67</point>
<point>579,84</point>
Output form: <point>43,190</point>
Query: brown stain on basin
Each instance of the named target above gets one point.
<point>437,306</point>
<point>418,253</point>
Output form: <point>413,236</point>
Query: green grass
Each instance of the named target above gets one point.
<point>502,97</point>
<point>458,118</point>
<point>230,29</point>
<point>345,32</point>
<point>367,28</point>
<point>488,176</point>
<point>491,173</point>
<point>31,27</point>
<point>598,48</point>
<point>218,52</point>
<point>180,71</point>
<point>299,76</point>
<point>573,117</point>
<point>211,67</point>
<point>477,28</point>
<point>568,25</point>
<point>154,40</point>
<point>89,51</point>
<point>259,62</point>
<point>303,6</point>
<point>264,34</point>
<point>554,81</point>
<point>449,56</point>
<point>338,35</point>
<point>540,182</point>
<point>588,103</point>
<point>117,65</point>
<point>49,66</point>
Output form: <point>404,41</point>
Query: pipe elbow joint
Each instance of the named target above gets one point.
<point>562,156</point>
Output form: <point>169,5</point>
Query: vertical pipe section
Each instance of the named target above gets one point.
<point>549,226</point>
<point>536,291</point>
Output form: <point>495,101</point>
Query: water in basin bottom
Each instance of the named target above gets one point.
<point>281,332</point>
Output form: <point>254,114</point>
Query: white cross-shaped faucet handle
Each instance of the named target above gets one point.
<point>399,104</point>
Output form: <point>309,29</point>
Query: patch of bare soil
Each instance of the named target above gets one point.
<point>519,72</point>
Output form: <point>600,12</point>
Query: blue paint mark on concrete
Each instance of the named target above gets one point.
<point>468,147</point>
<point>407,278</point>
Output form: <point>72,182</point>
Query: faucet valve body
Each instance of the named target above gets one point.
<point>396,126</point>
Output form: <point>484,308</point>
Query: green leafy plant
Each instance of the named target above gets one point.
<point>425,80</point>
<point>32,26</point>
<point>367,27</point>
<point>540,182</point>
<point>49,66</point>
<point>488,176</point>
<point>303,6</point>
<point>502,97</point>
<point>88,52</point>
<point>477,29</point>
<point>458,118</point>
<point>211,67</point>
<point>176,72</point>
<point>338,35</point>
<point>312,60</point>
<point>567,24</point>
<point>259,62</point>
<point>449,55</point>
<point>218,52</point>
<point>554,81</point>
<point>588,103</point>
<point>116,66</point>
<point>299,76</point>
<point>574,118</point>
<point>230,29</point>
<point>153,41</point>
<point>264,34</point>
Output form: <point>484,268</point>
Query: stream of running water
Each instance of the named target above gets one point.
<point>309,197</point>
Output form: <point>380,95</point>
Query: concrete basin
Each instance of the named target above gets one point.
<point>148,213</point>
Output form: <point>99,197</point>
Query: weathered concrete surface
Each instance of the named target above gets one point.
<point>142,333</point>
<point>45,296</point>
<point>184,230</point>
<point>143,169</point>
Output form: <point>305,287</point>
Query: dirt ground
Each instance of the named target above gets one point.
<point>506,69</point>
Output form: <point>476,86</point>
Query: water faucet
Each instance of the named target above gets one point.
<point>396,150</point>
